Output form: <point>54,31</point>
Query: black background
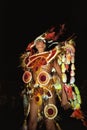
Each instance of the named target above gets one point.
<point>21,22</point>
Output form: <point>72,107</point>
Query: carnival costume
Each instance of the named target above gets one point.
<point>41,82</point>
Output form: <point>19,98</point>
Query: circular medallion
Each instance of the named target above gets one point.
<point>50,111</point>
<point>38,99</point>
<point>27,76</point>
<point>43,78</point>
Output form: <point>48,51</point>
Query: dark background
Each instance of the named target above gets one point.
<point>21,22</point>
<point>24,21</point>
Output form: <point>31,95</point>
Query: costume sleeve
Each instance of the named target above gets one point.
<point>66,70</point>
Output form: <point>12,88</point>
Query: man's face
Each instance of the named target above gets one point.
<point>40,46</point>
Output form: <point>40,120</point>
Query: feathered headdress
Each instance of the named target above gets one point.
<point>50,36</point>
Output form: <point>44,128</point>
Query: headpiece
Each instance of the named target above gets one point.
<point>50,36</point>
